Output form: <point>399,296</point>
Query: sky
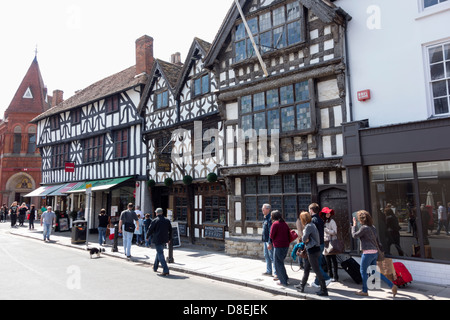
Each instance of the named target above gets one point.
<point>80,42</point>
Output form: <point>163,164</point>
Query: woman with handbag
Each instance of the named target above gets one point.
<point>330,239</point>
<point>311,239</point>
<point>280,235</point>
<point>370,247</point>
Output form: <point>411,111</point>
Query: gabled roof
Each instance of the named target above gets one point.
<point>323,9</point>
<point>31,94</point>
<point>116,83</point>
<point>197,44</point>
<point>169,71</point>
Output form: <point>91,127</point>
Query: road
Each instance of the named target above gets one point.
<point>33,269</point>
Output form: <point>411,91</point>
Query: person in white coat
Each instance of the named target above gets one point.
<point>330,233</point>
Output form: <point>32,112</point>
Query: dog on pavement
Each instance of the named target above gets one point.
<point>95,251</point>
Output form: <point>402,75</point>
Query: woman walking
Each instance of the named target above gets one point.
<point>330,233</point>
<point>369,245</point>
<point>13,211</point>
<point>311,239</point>
<point>32,217</point>
<point>280,235</point>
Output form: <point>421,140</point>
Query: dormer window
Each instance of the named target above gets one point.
<point>201,85</point>
<point>161,100</point>
<point>271,30</point>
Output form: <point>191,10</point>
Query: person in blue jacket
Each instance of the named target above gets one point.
<point>268,249</point>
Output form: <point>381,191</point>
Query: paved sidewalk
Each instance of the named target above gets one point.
<point>243,271</point>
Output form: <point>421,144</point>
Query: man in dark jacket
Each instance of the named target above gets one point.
<point>268,250</point>
<point>161,232</point>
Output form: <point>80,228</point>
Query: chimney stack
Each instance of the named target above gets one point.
<point>57,97</point>
<point>176,58</point>
<point>144,55</point>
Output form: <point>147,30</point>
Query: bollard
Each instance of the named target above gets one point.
<point>116,239</point>
<point>170,257</point>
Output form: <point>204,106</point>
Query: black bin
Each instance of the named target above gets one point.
<point>79,231</point>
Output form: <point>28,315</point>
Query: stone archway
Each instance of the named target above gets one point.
<point>19,185</point>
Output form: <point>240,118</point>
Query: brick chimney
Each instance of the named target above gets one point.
<point>176,58</point>
<point>144,55</point>
<point>57,97</point>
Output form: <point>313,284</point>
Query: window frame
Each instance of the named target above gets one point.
<point>240,35</point>
<point>93,149</point>
<point>445,78</point>
<point>120,140</point>
<point>164,104</point>
<point>60,155</point>
<point>112,104</point>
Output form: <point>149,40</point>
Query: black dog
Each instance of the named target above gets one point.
<point>96,251</point>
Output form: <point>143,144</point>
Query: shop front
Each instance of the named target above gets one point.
<point>401,174</point>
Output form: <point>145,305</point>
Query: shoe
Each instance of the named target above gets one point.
<point>267,274</point>
<point>394,290</point>
<point>300,287</point>
<point>275,278</point>
<point>360,293</point>
<point>164,274</point>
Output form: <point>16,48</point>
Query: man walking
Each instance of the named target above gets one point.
<point>268,249</point>
<point>161,232</point>
<point>48,219</point>
<point>127,225</point>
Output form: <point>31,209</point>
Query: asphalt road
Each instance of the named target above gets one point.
<point>33,269</point>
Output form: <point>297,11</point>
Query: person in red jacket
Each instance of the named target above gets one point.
<point>279,233</point>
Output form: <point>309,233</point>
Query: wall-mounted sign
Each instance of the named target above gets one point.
<point>364,95</point>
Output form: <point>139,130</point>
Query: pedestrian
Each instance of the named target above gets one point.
<point>330,233</point>
<point>147,223</point>
<point>393,231</point>
<point>138,231</point>
<point>369,245</point>
<point>48,219</point>
<point>442,218</point>
<point>161,232</point>
<point>314,211</point>
<point>4,213</point>
<point>311,239</point>
<point>22,213</point>
<point>13,211</point>
<point>267,242</point>
<point>102,226</point>
<point>299,226</point>
<point>127,225</point>
<point>32,217</point>
<point>280,235</point>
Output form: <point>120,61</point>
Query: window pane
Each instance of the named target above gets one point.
<point>303,116</point>
<point>273,120</point>
<point>263,185</point>
<point>260,121</point>
<point>439,89</point>
<point>279,16</point>
<point>272,98</point>
<point>294,34</point>
<point>447,51</point>
<point>288,119</point>
<point>253,25</point>
<point>428,3</point>
<point>205,84</point>
<point>293,10</point>
<point>279,38</point>
<point>437,71</point>
<point>266,41</point>
<point>303,203</point>
<point>290,208</point>
<point>246,104</point>
<point>276,203</point>
<point>247,123</point>
<point>240,32</point>
<point>258,102</point>
<point>301,91</point>
<point>250,185</point>
<point>289,183</point>
<point>441,105</point>
<point>286,95</point>
<point>241,51</point>
<point>265,22</point>
<point>436,54</point>
<point>198,87</point>
<point>250,49</point>
<point>304,183</point>
<point>250,208</point>
<point>275,184</point>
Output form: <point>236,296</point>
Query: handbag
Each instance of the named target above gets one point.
<point>335,246</point>
<point>292,236</point>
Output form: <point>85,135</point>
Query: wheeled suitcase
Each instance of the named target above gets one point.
<point>403,275</point>
<point>353,269</point>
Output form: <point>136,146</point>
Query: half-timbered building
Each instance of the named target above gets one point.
<point>93,140</point>
<point>280,75</point>
<point>184,136</point>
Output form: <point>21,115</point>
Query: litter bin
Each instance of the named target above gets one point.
<point>79,231</point>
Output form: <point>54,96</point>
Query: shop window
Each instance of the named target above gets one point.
<point>289,193</point>
<point>405,227</point>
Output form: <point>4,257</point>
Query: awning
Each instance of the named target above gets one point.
<point>62,190</point>
<point>98,185</point>
<point>43,191</point>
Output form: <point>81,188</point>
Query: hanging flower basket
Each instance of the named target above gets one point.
<point>168,182</point>
<point>187,180</point>
<point>151,183</point>
<point>212,177</point>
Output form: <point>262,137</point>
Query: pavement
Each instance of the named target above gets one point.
<point>216,265</point>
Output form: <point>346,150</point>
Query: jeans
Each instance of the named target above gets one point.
<point>160,259</point>
<point>127,239</point>
<point>268,255</point>
<point>47,231</point>
<point>313,262</point>
<point>371,260</point>
<point>279,255</point>
<point>101,235</point>
<point>321,259</point>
